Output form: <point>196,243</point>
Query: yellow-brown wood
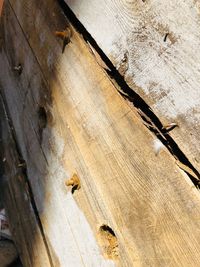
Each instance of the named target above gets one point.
<point>69,119</point>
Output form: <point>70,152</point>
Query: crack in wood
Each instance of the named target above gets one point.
<point>151,121</point>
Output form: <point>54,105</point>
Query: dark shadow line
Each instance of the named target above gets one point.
<point>132,96</point>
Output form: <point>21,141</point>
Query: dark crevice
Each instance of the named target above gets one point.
<point>22,165</point>
<point>193,179</point>
<point>16,263</point>
<point>109,242</point>
<point>42,122</point>
<point>42,117</point>
<point>18,69</point>
<point>107,228</point>
<point>146,113</point>
<point>165,38</point>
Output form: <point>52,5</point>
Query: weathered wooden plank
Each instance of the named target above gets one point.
<point>155,46</point>
<point>60,216</point>
<point>17,200</point>
<point>91,131</point>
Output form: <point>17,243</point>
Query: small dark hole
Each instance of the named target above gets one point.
<point>74,188</point>
<point>42,121</point>
<point>106,228</point>
<point>66,41</point>
<point>42,116</point>
<point>22,163</point>
<point>18,69</point>
<point>165,38</point>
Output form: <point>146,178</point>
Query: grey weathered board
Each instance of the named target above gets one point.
<point>69,118</point>
<point>17,200</point>
<point>155,46</point>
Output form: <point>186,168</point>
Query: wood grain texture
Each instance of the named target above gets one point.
<point>61,218</point>
<point>17,200</point>
<point>149,203</point>
<point>155,46</point>
<point>1,6</point>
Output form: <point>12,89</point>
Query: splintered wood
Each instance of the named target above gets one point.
<point>134,208</point>
<point>155,46</point>
<point>108,242</point>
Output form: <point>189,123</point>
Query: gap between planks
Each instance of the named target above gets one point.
<point>155,50</point>
<point>76,126</point>
<point>151,121</point>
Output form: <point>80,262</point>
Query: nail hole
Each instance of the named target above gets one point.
<point>106,228</point>
<point>65,36</point>
<point>108,242</point>
<point>22,164</point>
<point>18,69</point>
<point>42,121</point>
<point>74,181</point>
<point>42,116</point>
<point>165,38</point>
